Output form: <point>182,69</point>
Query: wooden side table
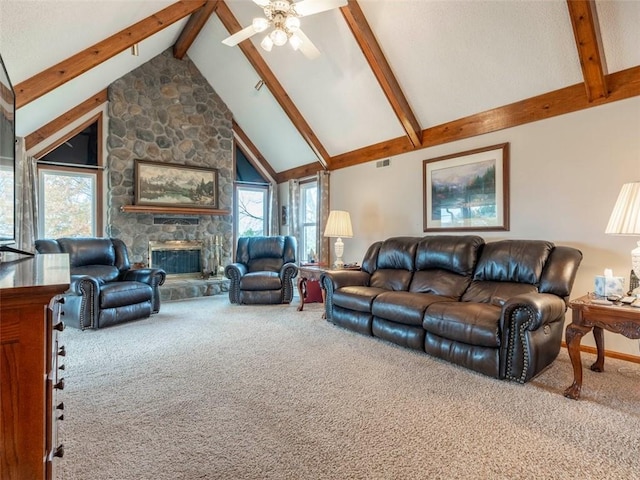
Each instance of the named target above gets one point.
<point>586,316</point>
<point>312,272</point>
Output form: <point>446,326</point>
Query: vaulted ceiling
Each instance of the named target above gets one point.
<point>393,75</point>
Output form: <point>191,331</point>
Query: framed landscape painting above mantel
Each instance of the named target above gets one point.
<point>467,191</point>
<point>171,185</point>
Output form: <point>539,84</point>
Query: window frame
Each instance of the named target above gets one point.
<point>96,170</point>
<point>237,186</point>
<point>304,185</point>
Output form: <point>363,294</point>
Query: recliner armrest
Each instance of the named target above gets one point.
<point>541,308</point>
<point>150,276</point>
<point>288,271</point>
<point>88,288</point>
<point>336,279</point>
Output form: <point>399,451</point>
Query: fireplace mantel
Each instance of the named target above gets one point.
<point>174,210</point>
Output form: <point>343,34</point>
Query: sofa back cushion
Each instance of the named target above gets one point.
<point>395,264</point>
<point>268,254</point>
<point>88,251</point>
<point>507,268</point>
<point>444,264</point>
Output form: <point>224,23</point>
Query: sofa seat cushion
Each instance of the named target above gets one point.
<point>467,322</point>
<point>118,294</point>
<point>102,273</point>
<point>357,298</point>
<point>404,307</point>
<point>261,281</point>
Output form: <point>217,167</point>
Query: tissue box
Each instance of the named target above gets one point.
<point>606,286</point>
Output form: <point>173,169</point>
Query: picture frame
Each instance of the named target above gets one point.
<point>172,185</point>
<point>467,191</point>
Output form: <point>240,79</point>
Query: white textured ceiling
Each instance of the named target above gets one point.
<point>451,58</point>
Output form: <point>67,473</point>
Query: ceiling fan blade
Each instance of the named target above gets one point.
<point>311,7</point>
<point>307,47</point>
<point>240,36</point>
<point>261,3</point>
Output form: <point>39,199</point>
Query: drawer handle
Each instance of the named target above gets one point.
<point>61,367</point>
<point>59,451</point>
<point>59,326</point>
<point>59,385</point>
<point>62,351</point>
<point>61,417</point>
<point>60,406</point>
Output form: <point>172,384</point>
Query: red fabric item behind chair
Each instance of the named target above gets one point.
<point>314,292</point>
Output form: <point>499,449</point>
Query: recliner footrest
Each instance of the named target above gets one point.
<point>118,294</point>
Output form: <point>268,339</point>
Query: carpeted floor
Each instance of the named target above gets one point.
<point>209,390</point>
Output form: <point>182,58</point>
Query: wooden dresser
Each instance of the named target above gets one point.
<point>30,311</point>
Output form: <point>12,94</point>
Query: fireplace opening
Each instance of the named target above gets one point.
<point>177,257</point>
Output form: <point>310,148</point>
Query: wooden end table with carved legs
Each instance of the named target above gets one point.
<point>587,316</point>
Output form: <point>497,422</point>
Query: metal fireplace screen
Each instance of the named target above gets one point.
<point>176,257</point>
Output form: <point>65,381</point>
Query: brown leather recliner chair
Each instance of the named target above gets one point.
<point>264,270</point>
<point>104,290</point>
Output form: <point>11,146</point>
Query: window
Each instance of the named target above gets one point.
<point>70,184</point>
<point>67,203</point>
<point>251,210</point>
<point>251,206</point>
<point>309,221</point>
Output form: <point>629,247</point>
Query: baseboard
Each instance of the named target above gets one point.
<point>608,353</point>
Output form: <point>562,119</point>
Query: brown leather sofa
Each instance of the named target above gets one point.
<point>104,290</point>
<point>497,308</point>
<point>264,270</point>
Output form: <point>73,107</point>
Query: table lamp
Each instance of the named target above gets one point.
<point>338,226</point>
<point>625,220</point>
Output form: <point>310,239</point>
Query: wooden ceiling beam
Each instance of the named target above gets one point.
<point>65,119</point>
<point>370,47</point>
<point>586,30</point>
<point>74,66</point>
<point>263,164</point>
<point>193,28</point>
<point>302,171</point>
<point>272,83</point>
<point>622,85</point>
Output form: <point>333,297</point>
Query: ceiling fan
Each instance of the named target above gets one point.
<point>284,18</point>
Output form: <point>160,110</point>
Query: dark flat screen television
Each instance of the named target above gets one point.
<point>7,158</point>
<point>7,163</point>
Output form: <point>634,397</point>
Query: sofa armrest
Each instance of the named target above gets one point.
<point>154,277</point>
<point>234,272</point>
<point>287,273</point>
<point>333,280</point>
<point>531,333</point>
<point>86,310</point>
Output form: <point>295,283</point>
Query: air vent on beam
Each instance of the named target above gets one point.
<point>175,221</point>
<point>383,163</point>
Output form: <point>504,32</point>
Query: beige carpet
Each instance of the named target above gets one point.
<point>207,390</point>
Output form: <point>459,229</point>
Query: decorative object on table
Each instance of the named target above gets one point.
<point>625,220</point>
<point>607,285</point>
<point>167,184</point>
<point>467,191</point>
<point>338,227</point>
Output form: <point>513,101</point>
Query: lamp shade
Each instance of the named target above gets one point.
<point>625,218</point>
<point>338,225</point>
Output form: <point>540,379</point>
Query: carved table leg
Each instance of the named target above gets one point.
<point>573,336</point>
<point>302,288</point>
<point>598,334</point>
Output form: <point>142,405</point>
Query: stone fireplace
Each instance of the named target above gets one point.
<point>179,258</point>
<point>166,111</point>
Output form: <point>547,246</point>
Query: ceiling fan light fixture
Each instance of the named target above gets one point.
<point>260,24</point>
<point>295,41</point>
<point>292,24</point>
<point>267,43</point>
<point>279,37</point>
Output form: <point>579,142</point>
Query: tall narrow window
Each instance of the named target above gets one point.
<point>251,210</point>
<point>251,205</point>
<point>309,221</point>
<point>70,184</point>
<point>68,203</point>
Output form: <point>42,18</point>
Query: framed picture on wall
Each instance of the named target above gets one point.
<point>467,191</point>
<point>174,185</point>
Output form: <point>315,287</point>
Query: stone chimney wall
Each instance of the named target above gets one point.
<point>166,111</point>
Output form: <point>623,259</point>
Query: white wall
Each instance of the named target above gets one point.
<point>566,173</point>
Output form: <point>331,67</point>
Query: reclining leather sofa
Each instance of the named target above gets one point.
<point>264,270</point>
<point>104,290</point>
<point>497,308</point>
